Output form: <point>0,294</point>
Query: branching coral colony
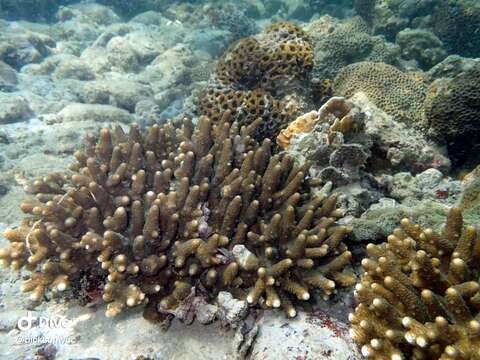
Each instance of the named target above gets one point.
<point>420,295</point>
<point>171,211</point>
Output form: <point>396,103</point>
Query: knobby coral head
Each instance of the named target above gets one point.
<point>161,213</point>
<point>419,297</point>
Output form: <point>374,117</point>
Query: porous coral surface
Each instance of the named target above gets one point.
<point>452,110</point>
<point>397,93</point>
<point>255,75</point>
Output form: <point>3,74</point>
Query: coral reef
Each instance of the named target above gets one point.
<point>248,106</point>
<point>172,211</point>
<point>363,162</point>
<point>419,296</point>
<point>229,17</point>
<point>397,93</point>
<point>452,110</point>
<point>281,53</point>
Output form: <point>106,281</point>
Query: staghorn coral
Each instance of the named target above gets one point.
<point>419,297</point>
<point>170,212</point>
<point>452,110</point>
<point>397,93</point>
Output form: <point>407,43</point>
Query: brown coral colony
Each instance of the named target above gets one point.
<point>419,297</point>
<point>166,212</point>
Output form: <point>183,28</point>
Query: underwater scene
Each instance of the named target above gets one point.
<point>240,180</point>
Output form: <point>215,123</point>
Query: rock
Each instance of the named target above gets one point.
<point>14,108</point>
<point>17,49</point>
<point>206,313</point>
<point>230,310</point>
<point>403,146</point>
<point>470,199</point>
<point>124,94</point>
<point>381,219</point>
<point>90,13</point>
<point>244,339</point>
<point>452,66</point>
<point>244,257</point>
<point>149,18</point>
<point>94,112</point>
<point>8,77</point>
<point>62,66</point>
<point>74,68</point>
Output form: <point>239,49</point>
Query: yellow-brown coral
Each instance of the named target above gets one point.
<point>156,215</point>
<point>420,295</point>
<point>335,111</point>
<point>399,94</point>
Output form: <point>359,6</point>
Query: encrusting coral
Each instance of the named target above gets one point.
<point>159,215</point>
<point>419,297</point>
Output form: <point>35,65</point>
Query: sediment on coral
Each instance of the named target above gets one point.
<point>419,297</point>
<point>161,214</point>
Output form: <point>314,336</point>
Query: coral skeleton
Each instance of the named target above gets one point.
<point>419,297</point>
<point>170,211</point>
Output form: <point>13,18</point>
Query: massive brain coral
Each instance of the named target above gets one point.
<point>281,53</point>
<point>452,110</point>
<point>254,78</point>
<point>419,297</point>
<point>157,215</point>
<point>397,93</point>
<point>455,22</point>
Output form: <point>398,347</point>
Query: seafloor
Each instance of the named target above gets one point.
<point>67,68</point>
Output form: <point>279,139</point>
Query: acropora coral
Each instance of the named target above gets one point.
<point>158,215</point>
<point>419,297</point>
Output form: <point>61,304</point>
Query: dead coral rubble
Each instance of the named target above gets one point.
<point>419,297</point>
<point>164,213</point>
